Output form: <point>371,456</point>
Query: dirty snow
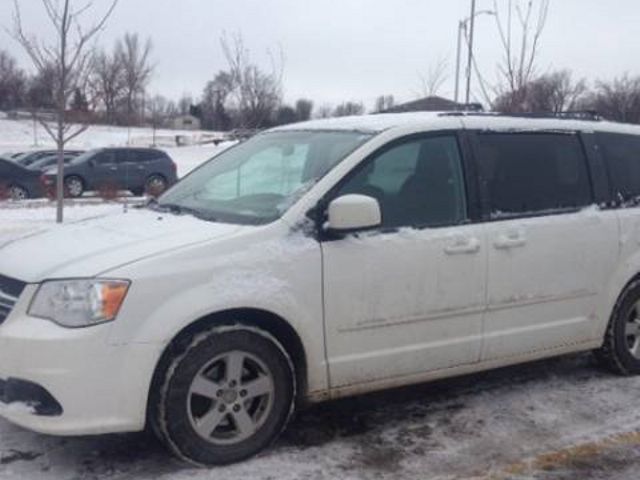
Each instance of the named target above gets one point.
<point>557,419</point>
<point>554,419</point>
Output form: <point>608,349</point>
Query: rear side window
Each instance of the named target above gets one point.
<point>622,156</point>
<point>148,155</point>
<point>532,173</point>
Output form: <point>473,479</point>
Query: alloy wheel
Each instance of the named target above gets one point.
<point>632,331</point>
<point>230,398</point>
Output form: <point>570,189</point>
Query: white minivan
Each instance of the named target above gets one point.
<point>326,259</point>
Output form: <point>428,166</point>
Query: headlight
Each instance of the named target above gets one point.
<point>79,303</point>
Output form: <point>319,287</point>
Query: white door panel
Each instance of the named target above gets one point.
<point>403,303</point>
<point>545,278</point>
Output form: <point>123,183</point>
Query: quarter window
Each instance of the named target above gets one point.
<point>417,183</point>
<point>622,155</point>
<point>532,173</point>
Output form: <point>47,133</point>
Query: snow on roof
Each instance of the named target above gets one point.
<point>380,122</point>
<point>366,123</point>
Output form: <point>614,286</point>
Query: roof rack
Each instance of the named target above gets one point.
<point>589,115</point>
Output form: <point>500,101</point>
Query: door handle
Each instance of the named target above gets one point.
<point>510,240</point>
<point>463,245</point>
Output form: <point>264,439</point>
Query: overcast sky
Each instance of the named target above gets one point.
<point>352,49</point>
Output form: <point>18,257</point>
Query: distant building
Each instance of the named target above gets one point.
<point>186,122</point>
<point>432,104</point>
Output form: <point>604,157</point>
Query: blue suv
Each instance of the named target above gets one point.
<point>139,170</point>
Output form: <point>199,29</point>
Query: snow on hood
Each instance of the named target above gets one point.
<point>90,247</point>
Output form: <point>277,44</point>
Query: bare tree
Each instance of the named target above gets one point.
<point>13,83</point>
<point>384,103</point>
<point>435,78</point>
<point>137,70</point>
<point>304,109</point>
<point>554,92</point>
<point>257,93</point>
<point>69,56</point>
<point>520,30</point>
<point>324,111</point>
<point>158,108</point>
<point>214,100</point>
<point>184,104</point>
<point>107,83</point>
<point>348,108</point>
<point>617,100</point>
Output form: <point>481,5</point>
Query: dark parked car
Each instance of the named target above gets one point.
<point>138,170</point>
<point>28,158</point>
<point>50,161</point>
<point>11,155</point>
<point>18,182</point>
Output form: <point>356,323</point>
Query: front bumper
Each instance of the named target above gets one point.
<point>101,387</point>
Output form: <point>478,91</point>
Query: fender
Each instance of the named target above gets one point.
<point>282,276</point>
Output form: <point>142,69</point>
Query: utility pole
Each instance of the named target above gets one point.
<point>470,59</point>
<point>458,53</point>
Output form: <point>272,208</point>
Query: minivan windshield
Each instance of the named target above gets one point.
<point>256,181</point>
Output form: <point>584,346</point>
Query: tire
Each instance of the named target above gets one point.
<point>74,186</point>
<point>155,185</point>
<point>16,192</point>
<point>226,397</point>
<point>621,349</point>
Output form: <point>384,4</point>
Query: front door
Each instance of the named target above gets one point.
<point>408,298</point>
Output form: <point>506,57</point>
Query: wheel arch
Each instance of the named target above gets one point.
<point>21,186</point>
<point>264,320</point>
<point>621,281</point>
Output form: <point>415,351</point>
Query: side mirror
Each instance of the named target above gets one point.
<point>351,213</point>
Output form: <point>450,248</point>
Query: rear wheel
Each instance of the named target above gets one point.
<point>226,397</point>
<point>74,186</point>
<point>16,192</point>
<point>621,349</point>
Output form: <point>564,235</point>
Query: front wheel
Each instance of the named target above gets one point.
<point>621,349</point>
<point>16,192</point>
<point>155,185</point>
<point>226,397</point>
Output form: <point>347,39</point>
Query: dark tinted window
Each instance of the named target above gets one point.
<point>417,183</point>
<point>107,157</point>
<point>622,155</point>
<point>149,155</point>
<point>528,173</point>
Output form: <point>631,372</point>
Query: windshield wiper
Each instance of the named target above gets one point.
<point>181,210</point>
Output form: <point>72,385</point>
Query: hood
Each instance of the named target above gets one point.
<point>93,246</point>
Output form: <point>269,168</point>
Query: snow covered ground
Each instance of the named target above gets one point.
<point>17,135</point>
<point>558,419</point>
